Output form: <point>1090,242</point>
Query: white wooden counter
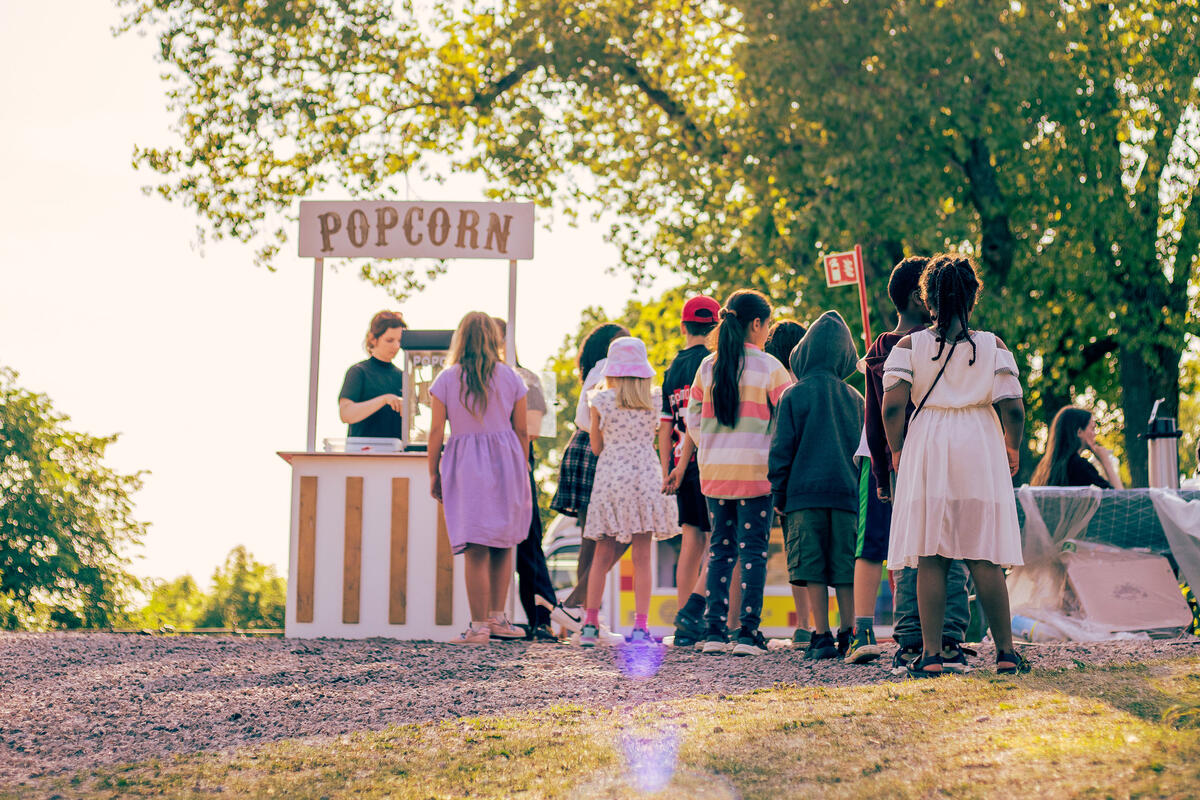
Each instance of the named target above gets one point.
<point>369,555</point>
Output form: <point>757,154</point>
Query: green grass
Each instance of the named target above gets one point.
<point>1096,733</point>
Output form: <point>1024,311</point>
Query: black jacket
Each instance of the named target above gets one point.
<point>819,424</point>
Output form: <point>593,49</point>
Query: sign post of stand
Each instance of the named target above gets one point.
<point>845,269</point>
<point>386,230</point>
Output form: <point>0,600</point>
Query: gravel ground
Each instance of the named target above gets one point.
<point>74,701</point>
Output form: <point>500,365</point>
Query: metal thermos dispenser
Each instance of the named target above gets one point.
<point>1162,442</point>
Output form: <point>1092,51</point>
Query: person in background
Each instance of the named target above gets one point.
<point>730,416</point>
<point>482,479</point>
<point>955,461</point>
<point>627,505</point>
<point>369,402</point>
<point>813,479</point>
<point>578,467</point>
<point>781,340</point>
<point>875,508</point>
<point>1073,431</point>
<point>677,453</point>
<point>533,578</point>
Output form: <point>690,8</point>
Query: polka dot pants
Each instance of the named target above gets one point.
<point>740,530</point>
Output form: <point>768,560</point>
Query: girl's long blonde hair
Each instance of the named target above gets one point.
<point>476,349</point>
<point>631,392</point>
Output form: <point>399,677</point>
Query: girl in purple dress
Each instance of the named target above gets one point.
<point>482,478</point>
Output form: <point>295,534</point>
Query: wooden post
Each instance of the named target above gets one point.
<point>352,552</point>
<point>398,558</point>
<point>510,335</point>
<point>443,613</point>
<point>306,551</point>
<point>862,296</point>
<point>314,355</point>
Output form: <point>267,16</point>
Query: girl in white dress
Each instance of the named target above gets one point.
<point>627,502</point>
<point>954,494</point>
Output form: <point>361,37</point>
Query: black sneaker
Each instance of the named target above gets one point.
<point>684,639</point>
<point>843,640</point>
<point>749,643</point>
<point>863,647</point>
<point>716,641</point>
<point>903,657</point>
<point>690,624</point>
<point>822,647</point>
<point>541,633</point>
<point>954,656</point>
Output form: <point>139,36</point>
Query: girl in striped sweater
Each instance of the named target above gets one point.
<point>731,416</point>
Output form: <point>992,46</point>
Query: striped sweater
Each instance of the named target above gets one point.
<point>733,461</point>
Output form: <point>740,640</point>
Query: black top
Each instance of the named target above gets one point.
<point>368,379</point>
<point>676,391</point>
<point>1081,472</point>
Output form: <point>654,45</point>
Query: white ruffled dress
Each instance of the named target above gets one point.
<point>954,495</point>
<point>627,493</point>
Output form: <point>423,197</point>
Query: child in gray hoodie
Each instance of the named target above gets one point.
<point>813,479</point>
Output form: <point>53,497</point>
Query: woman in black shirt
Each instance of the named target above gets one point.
<point>370,398</point>
<point>1074,430</point>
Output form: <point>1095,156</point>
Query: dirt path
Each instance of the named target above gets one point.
<point>74,701</point>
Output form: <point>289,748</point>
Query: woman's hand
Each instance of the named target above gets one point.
<point>394,401</point>
<point>895,461</point>
<point>435,486</point>
<point>1014,461</point>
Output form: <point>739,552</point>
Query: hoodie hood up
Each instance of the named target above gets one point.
<point>827,346</point>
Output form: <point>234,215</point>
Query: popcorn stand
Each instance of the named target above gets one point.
<point>369,554</point>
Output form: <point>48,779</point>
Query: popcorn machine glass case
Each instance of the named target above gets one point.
<point>424,357</point>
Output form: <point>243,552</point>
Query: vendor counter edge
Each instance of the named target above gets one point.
<point>369,552</point>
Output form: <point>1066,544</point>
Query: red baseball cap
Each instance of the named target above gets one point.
<point>701,309</point>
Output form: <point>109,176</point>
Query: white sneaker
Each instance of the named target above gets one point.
<point>569,619</point>
<point>606,636</point>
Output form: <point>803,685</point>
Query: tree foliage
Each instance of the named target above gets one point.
<point>66,519</point>
<point>737,141</point>
<point>245,594</point>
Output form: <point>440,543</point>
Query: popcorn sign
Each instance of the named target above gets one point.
<point>842,269</point>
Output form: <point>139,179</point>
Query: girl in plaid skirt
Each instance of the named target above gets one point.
<point>578,467</point>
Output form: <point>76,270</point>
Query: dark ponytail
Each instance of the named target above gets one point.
<point>743,307</point>
<point>949,286</point>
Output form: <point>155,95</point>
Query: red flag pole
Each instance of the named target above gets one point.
<point>862,296</point>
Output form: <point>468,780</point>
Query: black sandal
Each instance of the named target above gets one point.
<point>916,667</point>
<point>1012,657</point>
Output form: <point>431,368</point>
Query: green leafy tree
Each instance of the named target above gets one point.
<point>737,141</point>
<point>178,603</point>
<point>245,594</point>
<point>66,519</point>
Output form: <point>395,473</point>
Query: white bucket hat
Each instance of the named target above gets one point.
<point>627,359</point>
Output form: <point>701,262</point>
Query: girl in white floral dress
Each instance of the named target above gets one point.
<point>627,503</point>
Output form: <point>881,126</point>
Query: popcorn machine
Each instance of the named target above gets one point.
<point>425,355</point>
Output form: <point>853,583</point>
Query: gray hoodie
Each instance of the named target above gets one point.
<point>818,424</point>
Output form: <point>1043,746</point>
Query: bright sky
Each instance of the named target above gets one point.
<point>199,361</point>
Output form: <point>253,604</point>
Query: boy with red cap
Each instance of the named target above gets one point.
<point>677,452</point>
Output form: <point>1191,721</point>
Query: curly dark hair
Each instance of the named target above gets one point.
<point>949,287</point>
<point>906,279</point>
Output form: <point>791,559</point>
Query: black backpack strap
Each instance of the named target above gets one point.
<point>945,364</point>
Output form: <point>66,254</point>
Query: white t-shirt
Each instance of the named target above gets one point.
<point>583,412</point>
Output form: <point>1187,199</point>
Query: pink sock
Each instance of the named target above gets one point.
<point>641,620</point>
<point>591,616</point>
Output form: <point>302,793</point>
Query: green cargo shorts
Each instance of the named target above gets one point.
<point>820,546</point>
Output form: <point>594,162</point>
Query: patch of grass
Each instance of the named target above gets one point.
<point>1127,732</point>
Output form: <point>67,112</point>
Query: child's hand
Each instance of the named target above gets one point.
<point>672,481</point>
<point>435,487</point>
